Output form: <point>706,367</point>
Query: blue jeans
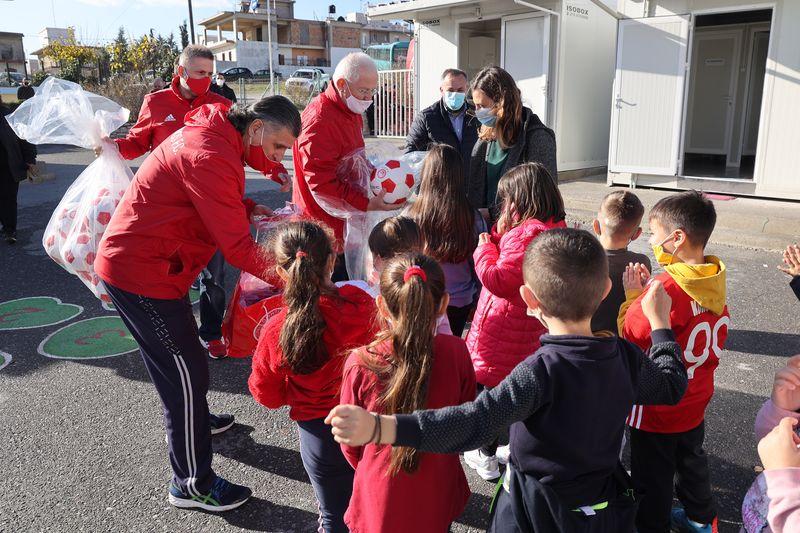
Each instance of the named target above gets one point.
<point>330,473</point>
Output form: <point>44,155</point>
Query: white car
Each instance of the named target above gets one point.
<point>309,79</point>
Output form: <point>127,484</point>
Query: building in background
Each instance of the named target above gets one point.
<point>560,53</point>
<point>48,65</point>
<point>240,38</point>
<point>12,54</point>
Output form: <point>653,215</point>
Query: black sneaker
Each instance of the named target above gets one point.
<point>223,496</point>
<point>11,236</point>
<point>220,423</point>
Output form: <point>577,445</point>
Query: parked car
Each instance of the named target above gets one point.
<point>236,73</point>
<point>16,79</point>
<point>309,79</point>
<point>263,74</point>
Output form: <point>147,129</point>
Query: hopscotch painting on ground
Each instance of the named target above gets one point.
<point>35,312</point>
<point>92,338</point>
<point>5,359</point>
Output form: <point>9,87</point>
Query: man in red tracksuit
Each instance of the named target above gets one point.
<point>331,132</point>
<point>161,115</point>
<point>184,203</point>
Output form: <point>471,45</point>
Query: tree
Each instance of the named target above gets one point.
<point>71,56</point>
<point>143,54</point>
<point>184,29</point>
<point>118,52</point>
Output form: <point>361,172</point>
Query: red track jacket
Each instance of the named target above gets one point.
<point>185,201</point>
<point>330,132</point>
<point>161,115</point>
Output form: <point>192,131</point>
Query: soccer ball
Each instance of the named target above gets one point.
<point>99,214</point>
<point>396,178</point>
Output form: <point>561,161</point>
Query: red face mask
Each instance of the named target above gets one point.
<point>199,86</point>
<point>256,159</point>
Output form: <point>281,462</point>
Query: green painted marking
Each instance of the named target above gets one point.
<point>93,338</point>
<point>36,312</point>
<point>5,359</point>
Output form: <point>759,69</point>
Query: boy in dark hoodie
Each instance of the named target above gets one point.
<point>563,474</point>
<point>667,441</point>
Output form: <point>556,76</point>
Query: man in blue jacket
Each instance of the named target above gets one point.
<point>448,121</point>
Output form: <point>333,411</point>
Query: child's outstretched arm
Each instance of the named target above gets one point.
<point>634,280</point>
<point>781,459</point>
<point>791,258</point>
<point>450,429</point>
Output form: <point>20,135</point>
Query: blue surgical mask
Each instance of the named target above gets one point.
<point>454,101</point>
<point>486,117</point>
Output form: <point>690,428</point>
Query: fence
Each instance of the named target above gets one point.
<point>394,103</point>
<point>252,90</point>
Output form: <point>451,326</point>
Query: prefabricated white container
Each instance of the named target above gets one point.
<point>707,96</point>
<point>560,52</point>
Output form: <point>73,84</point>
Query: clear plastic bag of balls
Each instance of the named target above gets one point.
<point>252,289</point>
<point>378,167</point>
<point>63,113</point>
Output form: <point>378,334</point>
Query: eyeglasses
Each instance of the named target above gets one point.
<point>363,93</point>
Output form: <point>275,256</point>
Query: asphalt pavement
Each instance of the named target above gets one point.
<point>82,439</point>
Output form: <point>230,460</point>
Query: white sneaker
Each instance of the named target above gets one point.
<point>486,467</point>
<point>502,454</point>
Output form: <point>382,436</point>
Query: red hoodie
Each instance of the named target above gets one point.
<point>349,323</point>
<point>161,115</point>
<point>330,132</point>
<point>185,201</point>
<point>432,497</point>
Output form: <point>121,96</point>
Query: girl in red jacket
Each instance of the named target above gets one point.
<point>408,367</point>
<point>301,353</point>
<point>502,332</point>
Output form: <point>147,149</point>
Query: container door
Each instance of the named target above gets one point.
<point>648,95</point>
<point>525,54</point>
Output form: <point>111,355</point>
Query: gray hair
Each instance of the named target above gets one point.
<point>192,51</point>
<point>276,111</point>
<point>352,65</point>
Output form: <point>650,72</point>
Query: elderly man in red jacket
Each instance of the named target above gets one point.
<point>332,129</point>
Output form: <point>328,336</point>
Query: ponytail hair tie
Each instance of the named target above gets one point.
<point>299,254</point>
<point>414,271</point>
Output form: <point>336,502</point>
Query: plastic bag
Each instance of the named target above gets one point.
<point>63,113</point>
<point>357,169</point>
<point>254,300</point>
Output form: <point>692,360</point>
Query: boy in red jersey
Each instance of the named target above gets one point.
<point>667,441</point>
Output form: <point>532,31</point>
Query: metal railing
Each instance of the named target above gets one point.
<point>252,90</point>
<point>394,103</point>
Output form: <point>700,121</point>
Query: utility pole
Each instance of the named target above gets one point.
<point>191,22</point>
<point>269,40</point>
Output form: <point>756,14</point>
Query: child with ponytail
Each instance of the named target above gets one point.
<point>408,367</point>
<point>301,353</point>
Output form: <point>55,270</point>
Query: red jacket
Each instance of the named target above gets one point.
<point>502,334</point>
<point>350,322</point>
<point>701,334</point>
<point>161,115</point>
<point>330,132</point>
<point>436,494</point>
<point>185,202</point>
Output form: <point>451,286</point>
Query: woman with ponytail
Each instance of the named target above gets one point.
<point>408,367</point>
<point>301,352</point>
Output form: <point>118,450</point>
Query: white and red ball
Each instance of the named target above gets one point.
<point>396,178</point>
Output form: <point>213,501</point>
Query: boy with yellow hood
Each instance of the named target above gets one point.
<point>667,441</point>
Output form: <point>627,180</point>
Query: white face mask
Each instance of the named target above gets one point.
<point>220,82</point>
<point>355,105</point>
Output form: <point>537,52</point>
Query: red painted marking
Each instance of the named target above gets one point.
<point>21,311</point>
<point>82,341</point>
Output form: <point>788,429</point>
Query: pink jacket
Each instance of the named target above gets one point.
<point>775,494</point>
<point>502,333</point>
